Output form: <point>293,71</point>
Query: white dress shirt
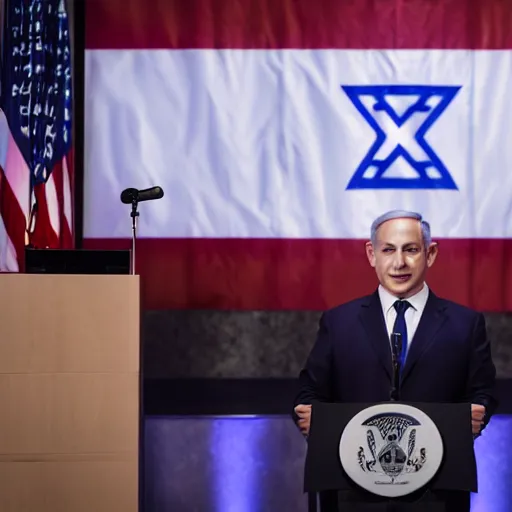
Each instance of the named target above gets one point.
<point>412,314</point>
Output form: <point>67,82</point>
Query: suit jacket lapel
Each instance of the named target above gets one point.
<point>430,323</point>
<point>374,324</point>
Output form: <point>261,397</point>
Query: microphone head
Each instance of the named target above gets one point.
<point>159,192</point>
<point>129,195</point>
<point>151,193</point>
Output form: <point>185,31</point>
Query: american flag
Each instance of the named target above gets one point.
<point>36,175</point>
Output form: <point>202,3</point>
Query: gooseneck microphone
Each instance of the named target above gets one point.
<point>396,350</point>
<point>131,195</point>
<point>134,197</point>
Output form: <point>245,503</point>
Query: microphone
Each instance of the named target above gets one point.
<point>134,197</point>
<point>131,195</point>
<point>396,350</point>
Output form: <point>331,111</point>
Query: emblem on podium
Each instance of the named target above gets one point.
<point>391,449</point>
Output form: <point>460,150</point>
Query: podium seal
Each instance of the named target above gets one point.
<point>391,449</point>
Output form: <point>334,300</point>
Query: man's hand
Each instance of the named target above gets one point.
<point>477,417</point>
<point>304,414</point>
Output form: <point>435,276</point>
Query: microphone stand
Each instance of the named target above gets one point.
<point>396,350</point>
<point>134,214</point>
<point>133,196</point>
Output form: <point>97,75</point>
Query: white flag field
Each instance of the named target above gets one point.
<point>279,135</point>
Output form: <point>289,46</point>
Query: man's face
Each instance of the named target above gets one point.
<point>400,257</point>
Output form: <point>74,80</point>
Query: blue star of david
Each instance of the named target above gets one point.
<point>370,172</point>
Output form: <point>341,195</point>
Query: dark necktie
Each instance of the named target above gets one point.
<point>400,327</point>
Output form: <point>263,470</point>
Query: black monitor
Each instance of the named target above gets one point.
<point>76,261</point>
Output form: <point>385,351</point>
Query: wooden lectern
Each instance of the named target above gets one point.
<point>69,393</point>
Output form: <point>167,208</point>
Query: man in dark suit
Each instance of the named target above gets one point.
<point>446,356</point>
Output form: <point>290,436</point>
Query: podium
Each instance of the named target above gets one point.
<point>69,393</point>
<point>325,473</point>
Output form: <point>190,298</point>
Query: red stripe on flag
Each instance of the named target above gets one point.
<point>357,24</point>
<point>65,236</point>
<point>43,235</point>
<point>277,274</point>
<point>70,162</point>
<point>13,218</point>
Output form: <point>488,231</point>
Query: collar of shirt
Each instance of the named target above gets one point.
<point>417,301</point>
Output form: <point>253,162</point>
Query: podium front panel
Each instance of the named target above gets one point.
<point>69,392</point>
<point>324,471</point>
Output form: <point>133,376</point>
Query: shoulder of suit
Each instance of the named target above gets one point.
<point>452,307</point>
<point>349,307</point>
